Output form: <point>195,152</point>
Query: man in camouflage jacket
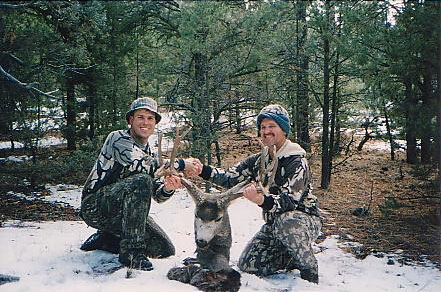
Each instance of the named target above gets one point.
<point>290,210</point>
<point>117,194</point>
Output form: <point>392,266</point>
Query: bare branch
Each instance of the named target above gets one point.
<point>5,6</point>
<point>27,86</point>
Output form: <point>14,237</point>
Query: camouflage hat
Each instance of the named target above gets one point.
<point>278,113</point>
<point>145,103</point>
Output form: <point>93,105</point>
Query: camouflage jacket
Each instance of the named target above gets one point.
<point>122,156</point>
<point>291,189</point>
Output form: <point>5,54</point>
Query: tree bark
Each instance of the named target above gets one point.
<point>70,116</point>
<point>426,114</point>
<point>92,110</point>
<point>410,104</point>
<point>302,80</point>
<point>325,122</point>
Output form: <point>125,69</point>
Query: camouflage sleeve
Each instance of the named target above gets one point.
<point>160,195</point>
<point>135,160</point>
<point>234,175</point>
<point>131,157</point>
<point>293,184</point>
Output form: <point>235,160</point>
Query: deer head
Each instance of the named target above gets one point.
<point>211,217</point>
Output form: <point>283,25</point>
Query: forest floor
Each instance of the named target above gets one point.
<point>402,201</point>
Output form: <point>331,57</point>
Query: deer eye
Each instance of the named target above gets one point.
<point>218,219</point>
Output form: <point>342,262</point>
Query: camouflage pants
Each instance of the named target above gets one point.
<point>282,244</point>
<point>122,209</point>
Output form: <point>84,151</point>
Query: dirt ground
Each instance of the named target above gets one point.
<point>403,209</point>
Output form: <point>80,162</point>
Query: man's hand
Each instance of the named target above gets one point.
<point>193,167</point>
<point>172,182</point>
<point>250,192</point>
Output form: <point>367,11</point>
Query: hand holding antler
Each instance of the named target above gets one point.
<point>172,182</point>
<point>251,193</point>
<point>193,167</point>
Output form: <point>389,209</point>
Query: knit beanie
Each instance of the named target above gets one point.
<point>278,114</point>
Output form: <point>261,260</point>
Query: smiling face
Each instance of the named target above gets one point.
<point>271,133</point>
<point>142,124</point>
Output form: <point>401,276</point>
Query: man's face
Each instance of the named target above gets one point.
<point>142,124</point>
<point>271,133</point>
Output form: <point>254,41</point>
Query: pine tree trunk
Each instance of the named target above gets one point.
<point>410,111</point>
<point>302,80</point>
<point>333,114</point>
<point>70,117</point>
<point>325,137</point>
<point>426,117</point>
<point>92,110</point>
<point>389,133</point>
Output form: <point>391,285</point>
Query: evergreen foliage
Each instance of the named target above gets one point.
<point>333,63</point>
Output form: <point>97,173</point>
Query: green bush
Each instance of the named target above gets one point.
<point>70,168</point>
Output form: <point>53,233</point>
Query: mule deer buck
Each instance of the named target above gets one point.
<point>210,271</point>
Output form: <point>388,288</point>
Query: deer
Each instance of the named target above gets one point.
<point>211,271</point>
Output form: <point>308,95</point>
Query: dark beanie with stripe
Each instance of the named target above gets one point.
<point>278,114</point>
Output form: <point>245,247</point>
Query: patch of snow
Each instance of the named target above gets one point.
<point>8,145</point>
<point>16,159</point>
<point>64,194</point>
<point>46,256</point>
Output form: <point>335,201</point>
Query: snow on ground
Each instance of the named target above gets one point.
<point>47,256</point>
<point>44,142</point>
<point>13,158</point>
<point>384,146</point>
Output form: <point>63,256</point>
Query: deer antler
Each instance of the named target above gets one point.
<point>233,193</point>
<point>272,167</point>
<point>196,193</point>
<point>167,168</point>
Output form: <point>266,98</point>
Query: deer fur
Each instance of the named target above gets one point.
<point>211,271</point>
<point>212,225</point>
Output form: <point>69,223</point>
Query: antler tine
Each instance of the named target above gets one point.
<point>234,193</point>
<point>176,144</point>
<point>165,169</point>
<point>273,166</point>
<point>262,161</point>
<point>161,161</point>
<point>193,190</point>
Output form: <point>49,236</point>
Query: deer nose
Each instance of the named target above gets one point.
<point>201,243</point>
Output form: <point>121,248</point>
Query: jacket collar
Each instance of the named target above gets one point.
<point>289,149</point>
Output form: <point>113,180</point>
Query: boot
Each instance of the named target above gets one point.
<point>135,259</point>
<point>103,241</point>
<point>309,275</point>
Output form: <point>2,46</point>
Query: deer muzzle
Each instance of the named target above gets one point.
<point>201,243</point>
